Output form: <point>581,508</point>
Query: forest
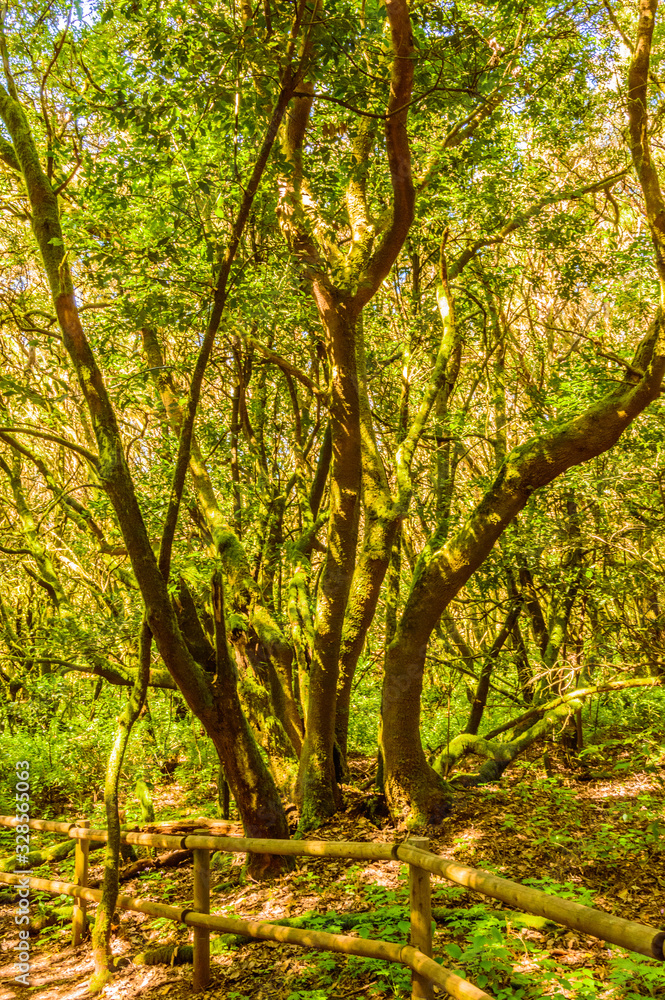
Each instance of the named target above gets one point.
<point>332,458</point>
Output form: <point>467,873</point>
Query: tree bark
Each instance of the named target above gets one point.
<point>246,773</point>
<point>482,690</point>
<point>342,285</point>
<point>101,935</point>
<point>317,788</point>
<point>246,593</point>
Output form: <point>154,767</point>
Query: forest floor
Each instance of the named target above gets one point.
<point>597,837</point>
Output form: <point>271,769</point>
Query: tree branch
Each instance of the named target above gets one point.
<point>289,82</point>
<point>286,366</point>
<point>399,155</point>
<point>638,124</point>
<point>520,220</point>
<point>90,458</point>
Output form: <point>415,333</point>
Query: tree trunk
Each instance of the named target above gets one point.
<point>101,935</point>
<point>246,596</point>
<point>482,690</point>
<point>317,787</point>
<point>340,294</point>
<point>263,818</point>
<point>381,523</point>
<point>413,789</point>
<point>248,777</point>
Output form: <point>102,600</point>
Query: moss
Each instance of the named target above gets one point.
<point>424,799</point>
<point>8,155</point>
<point>145,801</point>
<point>167,955</point>
<point>499,755</point>
<point>44,203</point>
<point>316,788</point>
<point>233,556</point>
<point>99,980</point>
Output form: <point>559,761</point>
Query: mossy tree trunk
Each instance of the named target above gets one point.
<point>246,773</point>
<point>382,518</point>
<point>101,935</point>
<point>246,594</point>
<point>317,784</point>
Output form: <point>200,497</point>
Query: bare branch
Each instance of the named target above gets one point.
<point>286,366</point>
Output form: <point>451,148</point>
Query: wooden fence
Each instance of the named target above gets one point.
<point>422,863</point>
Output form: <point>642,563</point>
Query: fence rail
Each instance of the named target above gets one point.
<point>422,863</point>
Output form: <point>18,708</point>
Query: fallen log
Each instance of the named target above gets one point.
<point>169,954</point>
<point>218,827</point>
<point>171,859</point>
<point>57,852</point>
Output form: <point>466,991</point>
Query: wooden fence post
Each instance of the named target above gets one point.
<point>421,920</point>
<point>80,878</point>
<point>201,977</point>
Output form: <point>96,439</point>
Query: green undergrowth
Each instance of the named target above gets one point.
<point>502,952</point>
<point>499,952</point>
<point>66,741</point>
<point>592,830</point>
